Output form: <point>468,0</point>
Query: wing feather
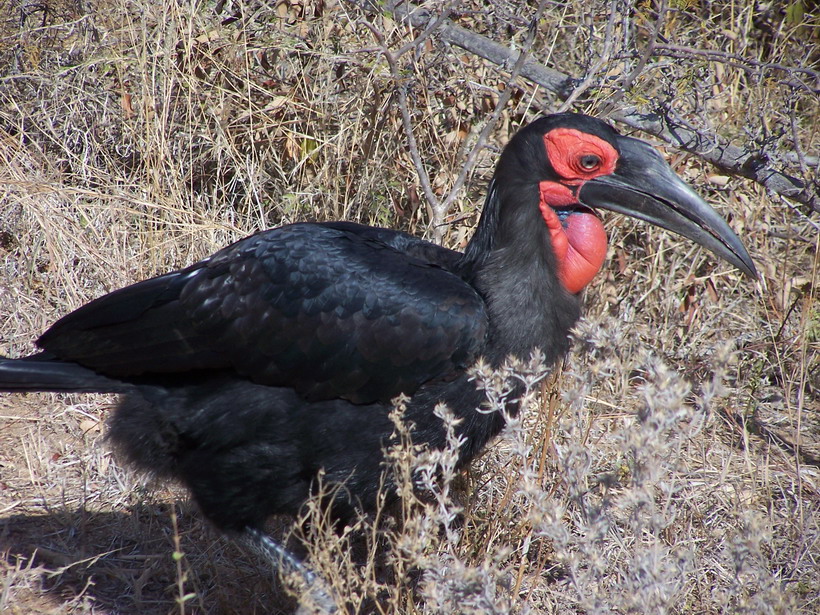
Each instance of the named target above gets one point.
<point>330,310</point>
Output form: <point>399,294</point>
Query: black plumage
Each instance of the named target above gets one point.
<point>329,310</point>
<point>248,373</point>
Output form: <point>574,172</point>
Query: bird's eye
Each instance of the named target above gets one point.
<point>589,162</point>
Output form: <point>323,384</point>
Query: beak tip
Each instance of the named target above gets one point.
<point>745,263</point>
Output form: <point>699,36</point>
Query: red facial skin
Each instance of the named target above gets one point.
<point>579,241</point>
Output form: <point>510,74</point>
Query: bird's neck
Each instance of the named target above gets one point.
<point>511,263</point>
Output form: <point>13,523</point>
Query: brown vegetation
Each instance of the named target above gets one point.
<point>671,467</point>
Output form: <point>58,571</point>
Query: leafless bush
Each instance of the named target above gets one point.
<point>672,466</point>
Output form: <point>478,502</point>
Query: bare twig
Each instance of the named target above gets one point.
<point>798,148</point>
<point>483,47</point>
<point>431,27</point>
<point>748,65</point>
<point>440,208</point>
<point>407,123</point>
<point>503,99</point>
<point>605,58</point>
<point>707,145</point>
<point>613,101</point>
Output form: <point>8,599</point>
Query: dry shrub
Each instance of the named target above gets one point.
<point>672,466</point>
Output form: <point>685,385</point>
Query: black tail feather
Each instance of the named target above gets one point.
<point>37,373</point>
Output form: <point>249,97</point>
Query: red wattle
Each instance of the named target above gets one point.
<point>586,253</point>
<point>579,241</point>
<point>558,236</point>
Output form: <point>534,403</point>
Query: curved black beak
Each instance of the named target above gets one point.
<point>645,187</point>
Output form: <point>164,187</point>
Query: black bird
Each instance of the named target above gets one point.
<point>248,373</point>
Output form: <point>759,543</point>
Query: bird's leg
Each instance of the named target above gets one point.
<point>316,598</point>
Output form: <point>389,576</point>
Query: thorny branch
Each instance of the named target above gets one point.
<point>662,123</point>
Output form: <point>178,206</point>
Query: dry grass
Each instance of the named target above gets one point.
<point>671,467</point>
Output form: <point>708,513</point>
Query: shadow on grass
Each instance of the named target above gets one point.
<point>117,562</point>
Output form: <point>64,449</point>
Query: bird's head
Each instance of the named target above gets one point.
<point>577,164</point>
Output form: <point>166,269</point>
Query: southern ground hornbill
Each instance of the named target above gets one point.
<point>248,373</point>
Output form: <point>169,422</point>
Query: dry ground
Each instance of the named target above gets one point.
<point>671,467</point>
